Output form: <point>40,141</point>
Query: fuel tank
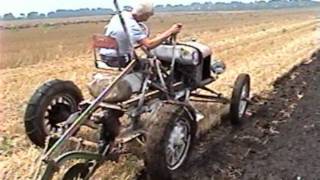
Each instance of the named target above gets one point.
<point>123,90</point>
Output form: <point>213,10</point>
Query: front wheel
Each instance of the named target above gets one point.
<point>169,140</point>
<point>239,99</point>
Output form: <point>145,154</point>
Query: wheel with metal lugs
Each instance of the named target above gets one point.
<point>239,100</point>
<point>50,106</point>
<point>169,141</point>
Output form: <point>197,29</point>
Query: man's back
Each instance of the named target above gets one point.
<point>115,30</point>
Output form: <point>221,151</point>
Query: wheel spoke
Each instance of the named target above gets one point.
<point>46,121</point>
<point>175,156</point>
<point>46,114</point>
<point>169,155</point>
<point>53,102</point>
<point>60,100</point>
<point>66,102</point>
<point>178,152</point>
<point>243,100</point>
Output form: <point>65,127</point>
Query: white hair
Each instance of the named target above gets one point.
<point>142,7</point>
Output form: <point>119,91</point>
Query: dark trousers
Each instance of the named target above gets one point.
<point>115,62</point>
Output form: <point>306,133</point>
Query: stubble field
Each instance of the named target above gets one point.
<point>265,44</point>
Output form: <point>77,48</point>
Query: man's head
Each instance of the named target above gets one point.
<point>143,10</point>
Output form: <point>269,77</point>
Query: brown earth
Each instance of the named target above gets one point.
<point>280,141</point>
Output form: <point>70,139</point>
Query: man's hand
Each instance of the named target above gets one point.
<point>176,28</point>
<point>152,43</point>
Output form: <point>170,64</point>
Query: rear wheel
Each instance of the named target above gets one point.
<point>239,99</point>
<point>169,141</point>
<point>49,107</point>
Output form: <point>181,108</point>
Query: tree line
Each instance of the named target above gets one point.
<point>207,6</point>
<point>237,5</point>
<point>60,13</point>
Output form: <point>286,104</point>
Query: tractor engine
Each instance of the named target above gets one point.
<point>193,61</point>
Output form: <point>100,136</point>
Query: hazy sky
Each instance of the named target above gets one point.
<point>44,6</point>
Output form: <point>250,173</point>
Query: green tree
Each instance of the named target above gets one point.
<point>33,15</point>
<point>8,16</point>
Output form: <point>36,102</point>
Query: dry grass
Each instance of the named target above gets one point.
<point>265,45</point>
<point>23,47</point>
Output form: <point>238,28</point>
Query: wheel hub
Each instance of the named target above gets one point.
<point>178,145</point>
<point>58,111</point>
<point>243,100</point>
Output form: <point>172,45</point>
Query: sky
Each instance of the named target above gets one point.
<point>44,6</point>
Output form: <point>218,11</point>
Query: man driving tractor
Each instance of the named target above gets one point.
<point>141,12</point>
<point>126,32</point>
<point>154,99</point>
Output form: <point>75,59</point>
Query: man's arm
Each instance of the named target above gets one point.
<point>154,42</point>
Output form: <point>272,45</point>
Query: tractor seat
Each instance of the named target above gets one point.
<point>99,42</point>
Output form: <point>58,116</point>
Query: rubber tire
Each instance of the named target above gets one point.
<point>155,161</point>
<point>241,80</point>
<point>33,119</point>
<point>80,169</point>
